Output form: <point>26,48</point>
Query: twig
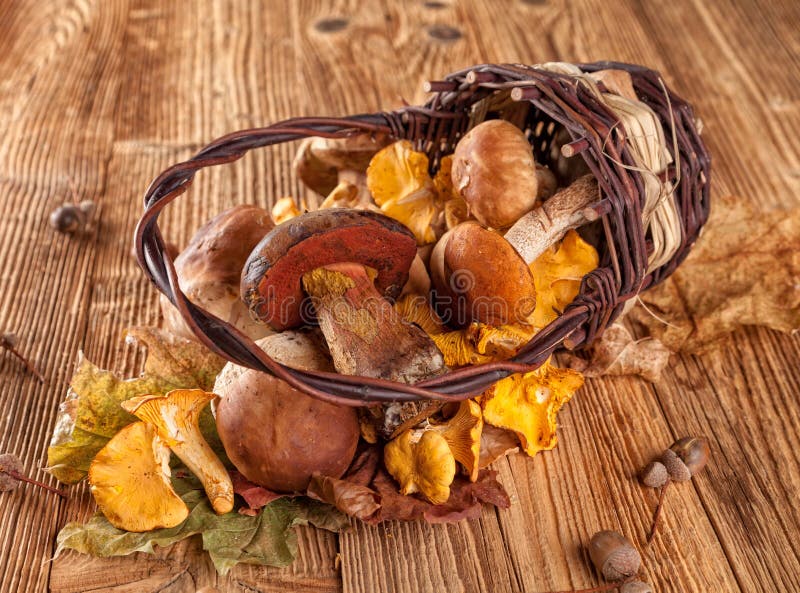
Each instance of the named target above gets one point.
<point>22,478</point>
<point>657,513</point>
<point>7,344</point>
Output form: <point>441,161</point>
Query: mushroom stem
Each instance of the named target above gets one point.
<point>569,208</point>
<point>364,332</point>
<point>201,460</point>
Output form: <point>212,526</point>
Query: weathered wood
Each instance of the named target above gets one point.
<point>110,93</point>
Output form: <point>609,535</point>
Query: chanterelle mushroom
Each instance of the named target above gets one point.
<point>421,461</point>
<point>495,173</point>
<point>463,434</point>
<point>528,404</point>
<point>209,269</point>
<point>175,416</point>
<point>130,481</point>
<point>478,276</point>
<point>347,261</point>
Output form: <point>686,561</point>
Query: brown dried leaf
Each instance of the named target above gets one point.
<point>254,496</point>
<point>618,353</point>
<point>744,270</point>
<point>352,499</point>
<point>496,443</point>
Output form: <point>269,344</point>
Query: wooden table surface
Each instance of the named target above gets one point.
<point>108,93</point>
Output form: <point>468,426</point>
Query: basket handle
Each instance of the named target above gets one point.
<point>226,340</point>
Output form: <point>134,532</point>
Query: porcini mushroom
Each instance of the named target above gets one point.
<point>176,416</point>
<point>478,276</point>
<point>323,163</point>
<point>463,434</point>
<point>567,209</point>
<point>130,481</point>
<point>495,173</point>
<point>349,262</point>
<point>528,404</point>
<point>210,266</point>
<point>421,461</point>
<point>275,435</point>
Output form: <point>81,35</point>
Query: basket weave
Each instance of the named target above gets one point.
<point>554,97</point>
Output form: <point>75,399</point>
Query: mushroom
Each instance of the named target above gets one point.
<point>349,262</point>
<point>130,481</point>
<point>419,281</point>
<point>421,461</point>
<point>528,404</point>
<point>495,173</point>
<point>401,185</point>
<point>567,209</point>
<point>283,210</point>
<point>478,276</point>
<point>463,434</point>
<point>209,268</point>
<point>275,435</point>
<point>175,416</point>
<point>323,163</point>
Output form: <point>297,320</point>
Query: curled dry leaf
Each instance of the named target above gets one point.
<point>496,443</point>
<point>255,497</point>
<point>91,413</point>
<point>353,499</point>
<point>528,404</point>
<point>618,353</point>
<point>751,258</point>
<point>398,179</point>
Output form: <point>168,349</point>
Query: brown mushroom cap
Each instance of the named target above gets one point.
<point>209,269</point>
<point>479,276</point>
<point>271,278</point>
<point>279,437</point>
<point>495,173</point>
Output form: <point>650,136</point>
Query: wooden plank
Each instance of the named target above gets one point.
<point>112,96</point>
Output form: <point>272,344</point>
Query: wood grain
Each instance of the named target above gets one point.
<point>107,94</point>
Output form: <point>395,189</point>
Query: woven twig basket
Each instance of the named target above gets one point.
<point>554,99</point>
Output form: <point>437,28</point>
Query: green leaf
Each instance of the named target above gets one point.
<point>267,539</point>
<point>91,413</point>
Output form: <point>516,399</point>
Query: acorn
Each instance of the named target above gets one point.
<point>693,451</point>
<point>614,556</point>
<point>70,218</point>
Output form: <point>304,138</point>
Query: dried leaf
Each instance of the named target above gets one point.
<point>465,502</point>
<point>618,353</point>
<point>254,496</point>
<point>744,270</point>
<point>352,499</point>
<point>267,538</point>
<point>91,414</point>
<point>557,274</point>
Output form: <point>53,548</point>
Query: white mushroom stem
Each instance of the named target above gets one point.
<point>540,228</point>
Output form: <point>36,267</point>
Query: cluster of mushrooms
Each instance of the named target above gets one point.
<point>399,274</point>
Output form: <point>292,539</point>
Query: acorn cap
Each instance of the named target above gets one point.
<point>675,466</point>
<point>654,475</point>
<point>613,555</point>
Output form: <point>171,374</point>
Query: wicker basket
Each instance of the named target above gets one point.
<point>552,96</point>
